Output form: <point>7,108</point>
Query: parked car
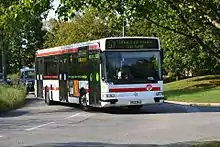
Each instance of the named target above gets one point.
<point>8,80</point>
<point>27,78</point>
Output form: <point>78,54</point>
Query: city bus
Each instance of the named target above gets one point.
<point>109,72</point>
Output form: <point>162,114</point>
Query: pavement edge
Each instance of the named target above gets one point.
<point>194,103</point>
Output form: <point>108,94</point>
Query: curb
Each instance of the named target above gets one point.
<point>194,103</point>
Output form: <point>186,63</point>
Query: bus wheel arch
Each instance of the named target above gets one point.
<point>83,99</point>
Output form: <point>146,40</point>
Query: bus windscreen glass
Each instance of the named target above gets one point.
<point>132,67</point>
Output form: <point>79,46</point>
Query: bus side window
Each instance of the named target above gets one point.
<point>51,66</point>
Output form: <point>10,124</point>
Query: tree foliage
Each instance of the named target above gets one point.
<point>20,25</point>
<point>88,26</point>
<point>195,19</point>
<point>189,29</point>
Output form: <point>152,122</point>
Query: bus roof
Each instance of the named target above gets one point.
<point>82,44</point>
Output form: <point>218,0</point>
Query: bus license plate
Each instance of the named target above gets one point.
<point>136,102</point>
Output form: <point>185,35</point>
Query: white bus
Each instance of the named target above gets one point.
<point>109,72</point>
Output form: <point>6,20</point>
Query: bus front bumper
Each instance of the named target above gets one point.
<point>117,102</point>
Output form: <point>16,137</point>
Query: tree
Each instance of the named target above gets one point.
<point>195,19</point>
<point>91,25</point>
<point>20,21</point>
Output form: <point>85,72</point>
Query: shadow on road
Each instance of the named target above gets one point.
<point>38,106</point>
<point>16,112</point>
<point>95,144</point>
<point>13,113</point>
<point>160,108</point>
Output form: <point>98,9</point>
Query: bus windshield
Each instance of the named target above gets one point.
<point>126,67</point>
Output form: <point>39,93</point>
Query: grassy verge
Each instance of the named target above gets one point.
<point>197,89</point>
<point>207,144</point>
<point>11,97</point>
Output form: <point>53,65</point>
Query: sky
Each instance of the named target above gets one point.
<point>52,12</point>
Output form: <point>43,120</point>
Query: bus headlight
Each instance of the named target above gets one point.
<point>159,93</point>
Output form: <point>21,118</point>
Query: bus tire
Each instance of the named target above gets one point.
<point>83,103</point>
<point>47,98</point>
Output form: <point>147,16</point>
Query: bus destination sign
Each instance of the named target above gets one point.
<point>132,43</point>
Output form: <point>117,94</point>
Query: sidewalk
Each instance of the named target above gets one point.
<point>193,103</point>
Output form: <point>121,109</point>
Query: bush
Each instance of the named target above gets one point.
<point>11,97</point>
<point>14,78</point>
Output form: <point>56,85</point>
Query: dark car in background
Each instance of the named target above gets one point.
<point>27,78</point>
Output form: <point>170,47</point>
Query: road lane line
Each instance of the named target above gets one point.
<point>42,125</point>
<point>1,136</point>
<point>74,115</point>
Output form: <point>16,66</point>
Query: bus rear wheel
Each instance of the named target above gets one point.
<point>83,103</point>
<point>47,98</point>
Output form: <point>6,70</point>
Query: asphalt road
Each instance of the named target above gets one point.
<point>39,125</point>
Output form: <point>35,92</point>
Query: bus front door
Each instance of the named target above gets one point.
<point>94,78</point>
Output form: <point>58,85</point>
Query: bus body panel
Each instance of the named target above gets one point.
<point>139,94</point>
<point>53,87</point>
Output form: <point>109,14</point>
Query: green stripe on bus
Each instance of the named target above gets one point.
<point>82,77</point>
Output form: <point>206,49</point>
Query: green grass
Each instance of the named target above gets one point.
<point>14,78</point>
<point>197,89</point>
<point>11,97</point>
<point>207,144</point>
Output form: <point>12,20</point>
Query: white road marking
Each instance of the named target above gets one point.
<point>1,136</point>
<point>74,115</point>
<point>33,128</point>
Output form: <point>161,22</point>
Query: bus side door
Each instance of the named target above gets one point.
<point>63,88</point>
<point>94,77</point>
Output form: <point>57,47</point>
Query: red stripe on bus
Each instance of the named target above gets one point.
<point>156,89</point>
<point>50,77</point>
<point>133,89</point>
<point>57,89</point>
<point>49,53</point>
<point>87,90</point>
<point>94,47</point>
<point>52,88</point>
<point>72,50</point>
